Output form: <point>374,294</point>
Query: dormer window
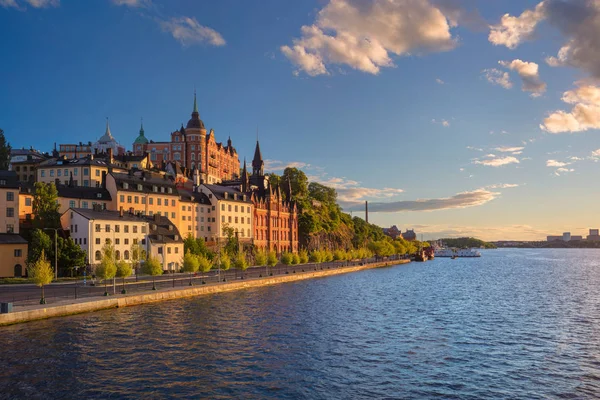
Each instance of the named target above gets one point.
<point>139,187</point>
<point>235,196</point>
<point>170,190</point>
<point>226,195</point>
<point>244,197</point>
<point>155,188</point>
<point>99,195</point>
<point>125,185</point>
<point>162,189</point>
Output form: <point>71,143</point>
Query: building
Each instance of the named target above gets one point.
<point>554,238</point>
<point>229,208</point>
<point>70,196</point>
<point>106,142</point>
<point>566,236</point>
<point>193,148</point>
<point>72,150</point>
<point>91,229</point>
<point>85,172</point>
<point>24,162</point>
<point>26,190</point>
<point>9,202</point>
<point>410,235</point>
<point>594,235</point>
<point>393,232</point>
<point>575,238</point>
<point>13,253</point>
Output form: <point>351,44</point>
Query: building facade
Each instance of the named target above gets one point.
<point>13,255</point>
<point>229,208</point>
<point>193,148</point>
<point>9,202</point>
<point>24,163</point>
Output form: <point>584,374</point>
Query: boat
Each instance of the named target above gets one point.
<point>468,253</point>
<point>421,255</point>
<point>444,252</point>
<point>455,253</point>
<point>429,252</point>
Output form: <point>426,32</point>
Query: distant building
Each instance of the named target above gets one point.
<point>566,236</point>
<point>410,235</point>
<point>9,202</point>
<point>24,162</point>
<point>594,235</point>
<point>393,232</point>
<point>554,238</point>
<point>107,141</point>
<point>72,150</point>
<point>576,237</point>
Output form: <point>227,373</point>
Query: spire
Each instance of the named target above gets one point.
<point>245,182</point>
<point>257,163</point>
<point>195,104</point>
<point>107,128</point>
<point>142,127</point>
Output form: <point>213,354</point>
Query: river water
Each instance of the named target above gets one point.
<point>512,324</point>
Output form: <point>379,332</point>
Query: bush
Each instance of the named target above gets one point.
<point>316,256</point>
<point>295,259</point>
<point>339,255</point>
<point>287,258</point>
<point>303,255</point>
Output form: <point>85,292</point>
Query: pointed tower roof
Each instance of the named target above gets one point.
<point>141,139</point>
<point>107,137</point>
<point>257,163</point>
<point>195,122</point>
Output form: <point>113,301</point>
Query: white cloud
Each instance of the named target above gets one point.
<point>562,171</point>
<point>188,31</point>
<point>511,30</point>
<point>506,149</point>
<point>554,163</point>
<point>503,186</point>
<point>43,3</point>
<point>584,115</point>
<point>445,123</point>
<point>529,74</point>
<point>441,82</point>
<point>362,35</point>
<point>460,200</point>
<point>132,3</point>
<point>497,77</point>
<point>497,161</point>
<point>276,165</point>
<point>9,4</point>
<point>474,148</point>
<point>349,190</point>
<point>596,153</point>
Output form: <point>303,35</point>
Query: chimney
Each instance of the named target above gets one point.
<point>130,210</point>
<point>121,212</point>
<point>170,227</point>
<point>367,212</point>
<point>156,217</point>
<point>104,179</point>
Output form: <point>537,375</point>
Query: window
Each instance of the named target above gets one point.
<point>143,229</point>
<point>135,241</point>
<point>129,199</point>
<point>135,229</point>
<point>222,207</point>
<point>173,215</point>
<point>126,255</point>
<point>242,220</point>
<point>98,255</point>
<point>202,228</point>
<point>43,173</point>
<point>51,172</point>
<point>117,228</point>
<point>118,255</point>
<point>166,202</point>
<point>107,228</point>
<point>168,250</point>
<point>143,200</point>
<point>159,201</point>
<point>107,241</point>
<point>236,220</point>
<point>248,210</point>
<point>75,171</point>
<point>58,172</point>
<point>84,240</point>
<point>84,204</point>
<point>10,228</point>
<point>97,172</point>
<point>126,241</point>
<point>229,219</point>
<point>201,219</point>
<point>28,202</point>
<point>176,250</point>
<point>117,241</point>
<point>10,196</point>
<point>86,183</point>
<point>136,200</point>
<point>172,202</point>
<point>86,171</point>
<point>72,203</point>
<point>236,208</point>
<point>10,212</point>
<point>208,228</point>
<point>229,208</point>
<point>222,218</point>
<point>97,240</point>
<point>97,227</point>
<point>150,201</point>
<point>160,250</point>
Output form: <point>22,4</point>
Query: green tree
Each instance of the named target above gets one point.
<point>136,255</point>
<point>298,181</point>
<point>153,268</point>
<point>4,152</point>
<point>204,264</point>
<point>272,259</point>
<point>191,263</point>
<point>45,206</point>
<point>224,260</point>
<point>260,257</point>
<point>287,258</point>
<point>40,242</point>
<point>295,259</point>
<point>232,244</point>
<point>124,270</point>
<point>303,256</point>
<point>70,255</point>
<point>41,272</point>
<point>107,268</point>
<point>339,255</point>
<point>240,263</point>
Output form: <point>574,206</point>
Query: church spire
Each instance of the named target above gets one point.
<point>195,103</point>
<point>107,133</point>
<point>142,127</point>
<point>245,181</point>
<point>258,164</point>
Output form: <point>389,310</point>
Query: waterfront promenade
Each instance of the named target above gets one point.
<point>66,302</point>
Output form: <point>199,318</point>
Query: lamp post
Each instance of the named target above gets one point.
<point>55,250</point>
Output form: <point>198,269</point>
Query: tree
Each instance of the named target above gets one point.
<point>45,206</point>
<point>297,180</point>
<point>4,152</point>
<point>303,255</point>
<point>190,264</point>
<point>196,246</point>
<point>260,257</point>
<point>70,255</point>
<point>240,263</point>
<point>272,259</point>
<point>107,268</point>
<point>124,270</point>
<point>204,264</point>
<point>224,261</point>
<point>153,268</point>
<point>41,272</point>
<point>287,258</point>
<point>40,242</point>
<point>295,259</point>
<point>137,254</point>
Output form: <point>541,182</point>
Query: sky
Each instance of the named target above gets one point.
<point>453,118</point>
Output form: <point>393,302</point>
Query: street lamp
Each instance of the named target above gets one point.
<point>55,250</point>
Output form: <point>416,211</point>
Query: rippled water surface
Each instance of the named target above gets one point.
<point>513,324</point>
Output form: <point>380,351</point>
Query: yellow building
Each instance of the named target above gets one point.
<point>13,254</point>
<point>85,172</point>
<point>9,202</point>
<point>82,197</point>
<point>165,243</point>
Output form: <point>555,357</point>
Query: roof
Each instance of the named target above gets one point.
<point>74,162</point>
<point>107,137</point>
<point>141,139</point>
<point>11,179</point>
<point>147,180</point>
<point>83,192</point>
<point>196,197</point>
<point>219,192</point>
<point>11,238</point>
<point>195,122</point>
<point>160,232</point>
<point>107,215</point>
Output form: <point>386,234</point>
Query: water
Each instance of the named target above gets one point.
<point>513,324</point>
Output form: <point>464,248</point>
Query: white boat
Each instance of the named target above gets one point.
<point>445,252</point>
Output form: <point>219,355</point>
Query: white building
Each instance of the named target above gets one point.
<point>107,141</point>
<point>230,208</point>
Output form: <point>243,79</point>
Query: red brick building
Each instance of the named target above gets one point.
<point>193,148</point>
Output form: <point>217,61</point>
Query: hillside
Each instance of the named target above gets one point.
<point>467,242</point>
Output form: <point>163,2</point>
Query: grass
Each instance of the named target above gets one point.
<point>18,281</point>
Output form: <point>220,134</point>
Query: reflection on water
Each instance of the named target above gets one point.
<point>513,324</point>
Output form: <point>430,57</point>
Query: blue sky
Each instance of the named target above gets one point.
<point>418,116</point>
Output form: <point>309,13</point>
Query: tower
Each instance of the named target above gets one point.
<point>258,165</point>
<point>245,180</point>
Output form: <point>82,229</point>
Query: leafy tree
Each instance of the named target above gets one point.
<point>41,272</point>
<point>191,263</point>
<point>339,255</point>
<point>322,193</point>
<point>272,259</point>
<point>70,255</point>
<point>4,152</point>
<point>224,260</point>
<point>287,258</point>
<point>240,263</point>
<point>298,181</point>
<point>316,256</point>
<point>153,268</point>
<point>303,255</point>
<point>232,245</point>
<point>40,242</point>
<point>204,264</point>
<point>196,246</point>
<point>107,268</point>
<point>295,259</point>
<point>260,257</point>
<point>136,255</point>
<point>45,206</point>
<point>124,270</point>
<point>274,179</point>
